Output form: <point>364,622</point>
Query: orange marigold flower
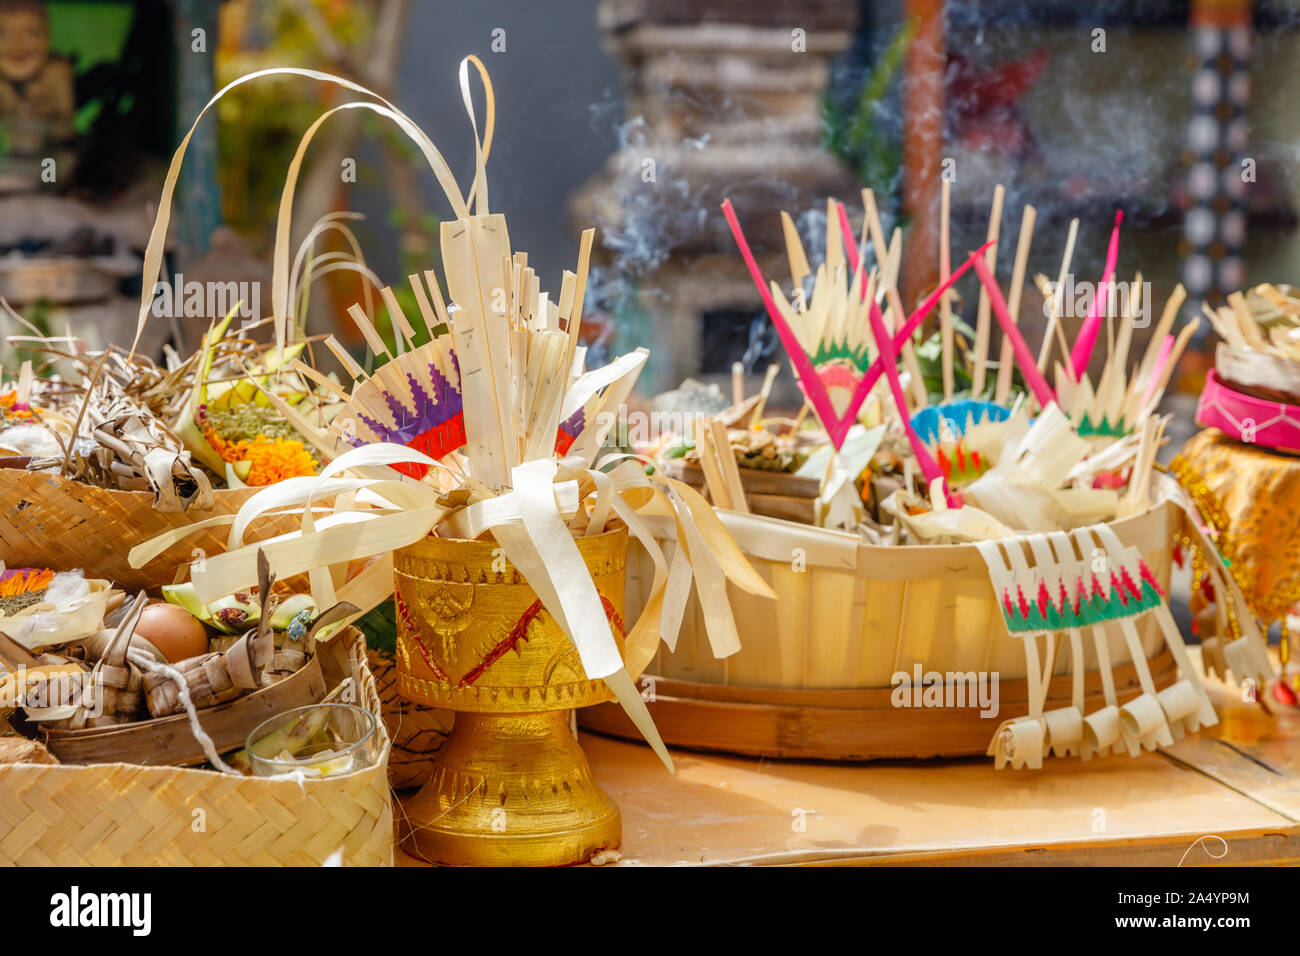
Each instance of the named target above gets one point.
<point>10,407</point>
<point>275,460</point>
<point>25,582</point>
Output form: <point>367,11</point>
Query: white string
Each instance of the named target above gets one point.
<point>151,666</point>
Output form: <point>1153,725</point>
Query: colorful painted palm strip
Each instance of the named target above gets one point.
<point>1087,426</point>
<point>837,425</point>
<point>829,353</point>
<point>1088,602</point>
<point>435,426</point>
<point>963,466</point>
<point>959,415</point>
<point>569,431</point>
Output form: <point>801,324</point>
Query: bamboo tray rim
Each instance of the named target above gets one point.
<point>856,698</point>
<point>817,725</point>
<point>909,561</point>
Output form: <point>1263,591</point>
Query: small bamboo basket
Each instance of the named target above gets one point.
<point>129,815</point>
<point>417,731</point>
<point>48,521</point>
<point>814,676</point>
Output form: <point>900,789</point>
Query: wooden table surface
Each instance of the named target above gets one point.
<point>1228,796</point>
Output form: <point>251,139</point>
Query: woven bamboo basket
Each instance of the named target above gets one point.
<point>416,731</point>
<point>52,522</point>
<point>813,678</point>
<point>129,815</point>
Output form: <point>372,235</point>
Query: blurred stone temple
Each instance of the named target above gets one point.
<point>89,97</point>
<point>724,99</point>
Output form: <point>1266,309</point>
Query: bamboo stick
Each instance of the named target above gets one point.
<point>919,396</point>
<point>579,292</point>
<point>1054,323</point>
<point>427,315</point>
<point>727,464</point>
<point>982,314</point>
<point>1005,366</point>
<point>1226,329</point>
<point>945,303</point>
<point>1146,367</point>
<point>798,419</point>
<point>319,380</point>
<point>368,331</point>
<point>1180,344</point>
<point>568,288</point>
<point>718,489</point>
<point>345,358</point>
<point>1172,306</point>
<point>768,378</point>
<point>468,246</point>
<point>794,250</point>
<point>402,327</point>
<point>1246,322</point>
<point>439,305</point>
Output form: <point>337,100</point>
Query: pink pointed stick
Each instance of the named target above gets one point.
<point>837,427</point>
<point>850,244</point>
<point>803,365</point>
<point>1082,350</point>
<point>889,359</point>
<point>918,315</point>
<point>1024,358</point>
<point>1166,347</point>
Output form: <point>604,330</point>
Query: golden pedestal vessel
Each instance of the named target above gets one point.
<point>510,786</point>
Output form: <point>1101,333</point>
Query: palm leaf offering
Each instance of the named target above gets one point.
<point>471,423</point>
<point>105,428</point>
<point>478,417</point>
<point>956,449</point>
<point>1028,472</point>
<point>225,416</point>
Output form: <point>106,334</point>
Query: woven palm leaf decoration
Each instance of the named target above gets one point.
<point>1087,581</point>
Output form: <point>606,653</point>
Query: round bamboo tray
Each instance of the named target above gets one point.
<point>48,521</point>
<point>813,678</point>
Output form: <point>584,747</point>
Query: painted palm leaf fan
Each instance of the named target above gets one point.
<point>1087,581</point>
<point>414,397</point>
<point>1124,396</point>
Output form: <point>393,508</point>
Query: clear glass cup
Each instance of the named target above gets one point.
<point>319,740</point>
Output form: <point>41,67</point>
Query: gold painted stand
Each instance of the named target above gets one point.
<point>511,786</point>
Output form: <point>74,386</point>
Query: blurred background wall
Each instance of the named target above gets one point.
<point>638,117</point>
